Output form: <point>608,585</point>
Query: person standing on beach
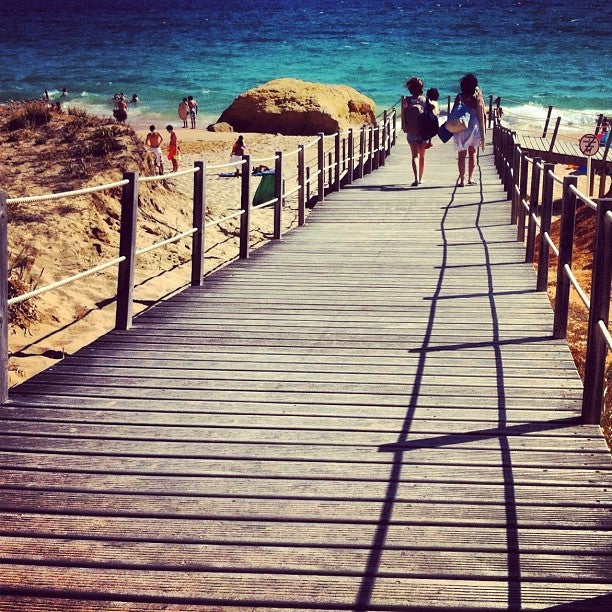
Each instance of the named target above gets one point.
<point>183,111</point>
<point>193,110</point>
<point>173,149</point>
<point>468,140</point>
<point>238,150</point>
<point>153,141</point>
<point>412,107</point>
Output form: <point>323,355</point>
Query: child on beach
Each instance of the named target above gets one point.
<point>173,149</point>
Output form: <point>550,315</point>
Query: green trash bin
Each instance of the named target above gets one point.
<point>265,189</point>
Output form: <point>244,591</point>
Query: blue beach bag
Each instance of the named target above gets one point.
<point>459,119</point>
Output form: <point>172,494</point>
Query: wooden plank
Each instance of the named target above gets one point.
<point>367,414</point>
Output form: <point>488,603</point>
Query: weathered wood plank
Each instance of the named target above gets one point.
<point>370,414</point>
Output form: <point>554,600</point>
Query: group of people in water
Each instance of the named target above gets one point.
<point>467,137</point>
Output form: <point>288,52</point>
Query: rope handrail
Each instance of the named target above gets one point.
<point>555,178</point>
<point>264,159</point>
<point>226,218</point>
<point>163,177</point>
<point>576,285</point>
<point>66,194</point>
<point>170,240</point>
<point>312,143</point>
<point>590,203</point>
<point>226,165</point>
<point>551,244</point>
<point>296,190</point>
<point>605,333</point>
<point>272,201</point>
<point>36,292</point>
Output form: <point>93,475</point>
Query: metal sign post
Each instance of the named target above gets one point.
<point>589,145</point>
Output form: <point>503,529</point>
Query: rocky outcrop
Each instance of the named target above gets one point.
<point>298,108</point>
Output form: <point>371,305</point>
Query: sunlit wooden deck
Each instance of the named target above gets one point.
<point>370,414</point>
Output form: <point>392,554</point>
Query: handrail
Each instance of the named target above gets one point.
<point>352,156</point>
<point>66,194</point>
<point>36,292</point>
<point>514,165</point>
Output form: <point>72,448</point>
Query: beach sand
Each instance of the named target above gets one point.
<point>76,314</point>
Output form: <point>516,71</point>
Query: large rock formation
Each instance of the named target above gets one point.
<point>297,108</point>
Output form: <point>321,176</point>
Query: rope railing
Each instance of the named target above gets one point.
<point>530,188</point>
<point>157,245</point>
<point>66,194</point>
<point>352,155</point>
<point>65,281</point>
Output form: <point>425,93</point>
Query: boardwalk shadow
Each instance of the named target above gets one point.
<point>500,432</point>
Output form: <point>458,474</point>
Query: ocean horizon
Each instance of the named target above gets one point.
<point>531,53</point>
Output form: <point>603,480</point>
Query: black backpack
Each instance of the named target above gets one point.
<point>428,122</point>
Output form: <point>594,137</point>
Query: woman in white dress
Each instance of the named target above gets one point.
<point>468,140</point>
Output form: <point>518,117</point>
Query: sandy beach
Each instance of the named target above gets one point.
<point>72,237</point>
<point>74,315</point>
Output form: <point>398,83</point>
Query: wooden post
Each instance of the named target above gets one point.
<point>516,174</point>
<point>321,164</point>
<point>330,172</point>
<point>301,185</point>
<point>520,229</point>
<point>370,149</point>
<point>307,184</point>
<point>603,173</point>
<point>127,249</point>
<point>533,209</point>
<point>351,157</point>
<point>386,147</point>
<point>394,131</point>
<point>375,147</point>
<point>597,348</point>
<point>547,121</point>
<point>566,250</point>
<point>361,165</point>
<point>490,111</point>
<point>245,206</point>
<point>545,222</point>
<point>554,138</point>
<point>4,325</point>
<point>338,160</point>
<point>199,219</point>
<point>278,194</point>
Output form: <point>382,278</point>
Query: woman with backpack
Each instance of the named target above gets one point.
<point>412,108</point>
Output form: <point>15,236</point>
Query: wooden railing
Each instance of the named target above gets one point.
<point>339,159</point>
<point>529,185</point>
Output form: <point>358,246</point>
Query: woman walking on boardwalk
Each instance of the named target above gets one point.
<point>468,140</point>
<point>412,107</point>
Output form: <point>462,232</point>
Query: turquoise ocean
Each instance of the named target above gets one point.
<point>532,53</point>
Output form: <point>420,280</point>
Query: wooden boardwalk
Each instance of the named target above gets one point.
<point>369,414</point>
<point>559,151</point>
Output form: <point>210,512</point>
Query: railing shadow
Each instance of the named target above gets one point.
<point>500,432</point>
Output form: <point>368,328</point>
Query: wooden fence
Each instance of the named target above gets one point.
<point>339,159</point>
<point>529,184</point>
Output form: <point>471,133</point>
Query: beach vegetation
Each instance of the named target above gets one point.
<point>29,115</point>
<point>22,314</point>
